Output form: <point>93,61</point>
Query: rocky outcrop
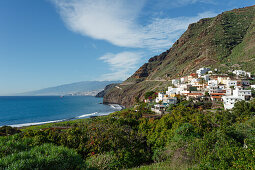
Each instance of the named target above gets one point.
<point>106,89</point>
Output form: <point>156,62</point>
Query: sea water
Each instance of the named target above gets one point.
<point>20,111</point>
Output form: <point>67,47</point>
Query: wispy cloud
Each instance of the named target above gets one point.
<point>162,33</point>
<point>110,20</point>
<point>116,21</point>
<point>187,2</point>
<point>121,64</point>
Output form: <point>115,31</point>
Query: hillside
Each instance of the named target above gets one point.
<point>226,42</point>
<point>80,88</point>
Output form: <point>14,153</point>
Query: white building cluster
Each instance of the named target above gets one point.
<point>204,85</point>
<point>242,73</point>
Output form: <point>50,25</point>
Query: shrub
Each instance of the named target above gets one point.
<point>7,130</point>
<point>160,155</point>
<point>185,132</point>
<point>46,156</point>
<point>14,144</point>
<point>106,160</point>
<point>150,95</point>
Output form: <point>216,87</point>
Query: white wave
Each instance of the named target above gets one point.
<point>104,114</point>
<point>87,115</point>
<point>116,106</point>
<point>36,123</point>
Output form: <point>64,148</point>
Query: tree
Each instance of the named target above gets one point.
<point>150,95</point>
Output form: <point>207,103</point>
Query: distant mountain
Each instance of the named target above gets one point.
<point>89,88</point>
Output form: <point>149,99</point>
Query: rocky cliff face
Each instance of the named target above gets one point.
<point>225,42</point>
<point>106,89</point>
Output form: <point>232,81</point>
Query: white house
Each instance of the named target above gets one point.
<point>166,99</point>
<point>231,83</point>
<point>239,94</point>
<point>253,86</point>
<point>228,91</point>
<point>159,108</point>
<point>223,79</point>
<point>244,93</point>
<point>175,82</point>
<point>202,71</point>
<point>242,73</point>
<point>160,97</point>
<point>173,91</point>
<point>229,101</point>
<point>206,77</point>
<point>212,83</point>
<point>170,100</point>
<point>184,79</point>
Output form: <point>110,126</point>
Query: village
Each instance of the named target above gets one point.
<point>206,85</point>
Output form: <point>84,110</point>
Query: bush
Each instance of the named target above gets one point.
<point>160,155</point>
<point>7,130</point>
<point>46,156</point>
<point>185,132</point>
<point>14,144</point>
<point>129,146</point>
<point>150,95</point>
<point>103,161</point>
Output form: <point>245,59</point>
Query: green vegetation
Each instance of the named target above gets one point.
<point>6,130</point>
<point>24,153</point>
<point>187,137</point>
<point>150,95</point>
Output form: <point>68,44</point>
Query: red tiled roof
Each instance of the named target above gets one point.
<point>193,74</point>
<point>216,97</point>
<point>217,94</point>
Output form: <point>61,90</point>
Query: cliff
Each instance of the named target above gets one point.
<point>226,42</point>
<point>106,89</point>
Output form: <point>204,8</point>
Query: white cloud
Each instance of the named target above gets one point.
<point>116,21</point>
<point>187,2</point>
<point>121,64</point>
<point>162,33</point>
<point>110,20</point>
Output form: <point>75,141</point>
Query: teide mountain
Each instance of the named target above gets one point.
<point>225,42</point>
<point>80,88</point>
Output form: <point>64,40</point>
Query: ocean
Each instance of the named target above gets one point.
<point>20,111</point>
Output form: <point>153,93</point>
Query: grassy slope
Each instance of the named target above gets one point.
<point>224,42</point>
<point>210,42</point>
<point>243,55</point>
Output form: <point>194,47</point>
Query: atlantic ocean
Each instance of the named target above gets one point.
<point>18,111</point>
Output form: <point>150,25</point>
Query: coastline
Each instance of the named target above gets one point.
<point>84,116</point>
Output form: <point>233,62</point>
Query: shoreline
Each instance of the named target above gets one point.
<point>84,116</point>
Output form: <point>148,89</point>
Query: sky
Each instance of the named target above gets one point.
<point>45,43</point>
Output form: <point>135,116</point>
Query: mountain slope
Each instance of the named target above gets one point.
<point>225,42</point>
<point>85,86</point>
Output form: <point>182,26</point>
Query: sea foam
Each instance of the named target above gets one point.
<point>36,123</point>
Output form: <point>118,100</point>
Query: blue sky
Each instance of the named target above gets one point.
<point>52,42</point>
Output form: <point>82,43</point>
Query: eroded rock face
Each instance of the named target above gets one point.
<point>106,89</point>
<point>142,72</point>
<point>211,42</point>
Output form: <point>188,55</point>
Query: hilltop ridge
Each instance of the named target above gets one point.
<point>226,41</point>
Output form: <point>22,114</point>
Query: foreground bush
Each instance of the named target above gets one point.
<point>14,144</point>
<point>103,161</point>
<point>7,130</point>
<point>46,156</point>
